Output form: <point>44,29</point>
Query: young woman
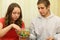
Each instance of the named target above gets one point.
<point>11,23</point>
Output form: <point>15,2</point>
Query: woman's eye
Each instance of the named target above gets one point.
<point>14,12</point>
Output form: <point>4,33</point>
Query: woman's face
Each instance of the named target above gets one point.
<point>15,13</point>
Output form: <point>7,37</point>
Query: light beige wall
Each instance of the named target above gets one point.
<point>0,8</point>
<point>58,7</point>
<point>54,6</point>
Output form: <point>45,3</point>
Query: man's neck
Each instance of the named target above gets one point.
<point>47,14</point>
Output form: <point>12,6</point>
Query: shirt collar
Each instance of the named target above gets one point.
<point>50,16</point>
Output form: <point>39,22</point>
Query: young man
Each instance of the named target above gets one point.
<point>45,26</point>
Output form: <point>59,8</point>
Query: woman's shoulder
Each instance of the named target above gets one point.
<point>23,25</point>
<point>2,20</point>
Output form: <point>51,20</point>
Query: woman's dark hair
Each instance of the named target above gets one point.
<point>9,13</point>
<point>45,2</point>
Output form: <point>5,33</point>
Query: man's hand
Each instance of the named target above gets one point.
<point>50,38</point>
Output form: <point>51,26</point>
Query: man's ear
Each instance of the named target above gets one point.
<point>49,7</point>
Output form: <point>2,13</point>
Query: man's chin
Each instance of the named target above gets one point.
<point>42,15</point>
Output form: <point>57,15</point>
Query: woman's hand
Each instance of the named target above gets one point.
<point>16,27</point>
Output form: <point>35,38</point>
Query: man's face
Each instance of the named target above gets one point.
<point>43,10</point>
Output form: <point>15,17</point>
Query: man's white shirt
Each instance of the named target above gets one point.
<point>41,27</point>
